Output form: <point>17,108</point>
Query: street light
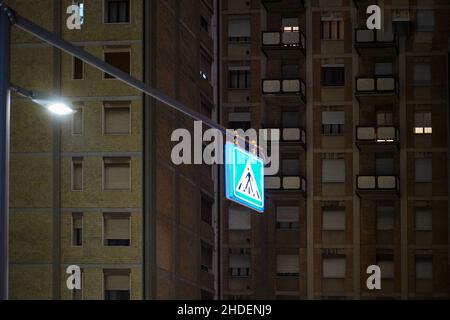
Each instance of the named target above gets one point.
<point>55,106</point>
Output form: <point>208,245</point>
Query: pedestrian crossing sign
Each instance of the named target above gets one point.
<point>244,177</point>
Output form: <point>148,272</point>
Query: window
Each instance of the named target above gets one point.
<point>239,30</point>
<point>422,73</point>
<point>425,20</point>
<point>332,30</point>
<point>116,229</point>
<point>384,118</point>
<point>77,174</point>
<point>117,11</point>
<point>384,166</point>
<point>116,284</point>
<point>239,218</point>
<point>239,120</point>
<point>289,119</point>
<point>386,264</point>
<point>423,170</point>
<point>117,173</point>
<point>290,25</point>
<point>117,118</point>
<point>424,219</point>
<point>77,69</point>
<point>77,294</point>
<point>290,71</point>
<point>287,265</point>
<point>206,257</point>
<point>385,218</point>
<point>424,268</point>
<point>204,24</point>
<point>77,119</point>
<point>77,229</point>
<point>334,267</point>
<point>383,69</point>
<point>290,167</point>
<point>119,59</point>
<point>333,170</point>
<point>205,65</point>
<point>333,219</point>
<point>287,218</point>
<point>206,209</point>
<point>333,122</point>
<point>333,76</point>
<point>239,77</point>
<point>422,122</point>
<point>239,265</point>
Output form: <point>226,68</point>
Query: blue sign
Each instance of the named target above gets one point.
<point>244,177</point>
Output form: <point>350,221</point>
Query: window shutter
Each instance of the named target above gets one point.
<point>333,219</point>
<point>77,219</point>
<point>117,174</point>
<point>333,170</point>
<point>383,68</point>
<point>287,263</point>
<point>384,166</point>
<point>424,268</point>
<point>289,22</point>
<point>77,174</point>
<point>77,121</point>
<point>239,28</point>
<point>287,214</point>
<point>424,219</point>
<point>239,261</point>
<point>239,116</point>
<point>290,167</point>
<point>387,268</point>
<point>334,268</point>
<point>117,226</point>
<point>423,170</point>
<point>239,218</point>
<point>119,282</point>
<point>385,218</point>
<point>333,117</point>
<point>117,119</point>
<point>422,72</point>
<point>425,20</point>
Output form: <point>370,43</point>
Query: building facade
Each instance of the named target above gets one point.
<point>363,125</point>
<point>98,189</point>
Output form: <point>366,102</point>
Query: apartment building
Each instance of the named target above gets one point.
<point>363,125</point>
<point>98,189</point>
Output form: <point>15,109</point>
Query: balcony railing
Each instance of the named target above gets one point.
<point>285,183</point>
<point>378,84</point>
<point>366,39</point>
<point>381,134</point>
<point>286,86</point>
<point>387,183</point>
<point>283,40</point>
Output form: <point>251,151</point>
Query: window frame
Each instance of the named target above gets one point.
<point>104,214</point>
<point>72,229</point>
<point>116,50</point>
<point>130,161</point>
<point>105,15</point>
<point>76,160</point>
<point>77,107</point>
<point>126,104</point>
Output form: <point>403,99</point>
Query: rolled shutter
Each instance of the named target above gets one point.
<point>287,214</point>
<point>287,264</point>
<point>334,268</point>
<point>333,170</point>
<point>239,28</point>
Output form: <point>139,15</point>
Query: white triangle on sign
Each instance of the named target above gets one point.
<point>247,184</point>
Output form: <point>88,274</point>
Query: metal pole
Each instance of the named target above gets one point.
<point>5,28</point>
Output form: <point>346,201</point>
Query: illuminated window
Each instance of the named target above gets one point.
<point>422,123</point>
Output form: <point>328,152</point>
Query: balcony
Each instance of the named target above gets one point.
<point>378,89</point>
<point>382,138</point>
<point>279,44</point>
<point>285,183</point>
<point>377,187</point>
<point>373,42</point>
<point>289,136</point>
<point>283,5</point>
<point>284,91</point>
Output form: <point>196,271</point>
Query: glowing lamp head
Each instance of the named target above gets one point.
<point>60,109</point>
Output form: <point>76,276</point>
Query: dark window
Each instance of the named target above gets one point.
<point>332,129</point>
<point>239,272</point>
<point>332,30</point>
<point>206,258</point>
<point>120,60</point>
<point>77,229</point>
<point>239,79</point>
<point>118,242</point>
<point>204,24</point>
<point>117,11</point>
<point>244,125</point>
<point>287,225</point>
<point>206,210</point>
<point>78,69</point>
<point>333,76</point>
<point>117,295</point>
<point>117,284</point>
